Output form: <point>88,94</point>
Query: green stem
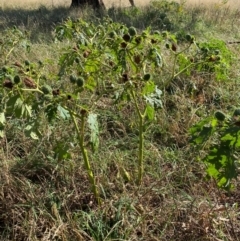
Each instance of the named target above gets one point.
<point>10,51</point>
<point>80,136</point>
<point>141,140</point>
<point>180,72</point>
<point>140,152</point>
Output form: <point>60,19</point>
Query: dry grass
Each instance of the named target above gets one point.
<point>108,3</point>
<point>46,199</point>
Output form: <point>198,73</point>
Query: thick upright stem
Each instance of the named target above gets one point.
<point>140,151</point>
<point>141,140</point>
<point>80,136</point>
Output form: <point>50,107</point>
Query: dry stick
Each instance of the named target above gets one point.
<point>233,42</point>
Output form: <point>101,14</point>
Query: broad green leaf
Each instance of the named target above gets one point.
<point>51,112</point>
<point>62,151</point>
<point>63,112</point>
<point>150,112</point>
<point>11,103</point>
<point>18,108</point>
<point>154,99</point>
<point>31,131</point>
<point>149,88</point>
<point>94,130</point>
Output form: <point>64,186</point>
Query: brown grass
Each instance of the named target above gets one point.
<point>108,3</point>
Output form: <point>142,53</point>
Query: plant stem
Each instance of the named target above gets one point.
<point>140,151</point>
<point>80,136</point>
<point>141,140</point>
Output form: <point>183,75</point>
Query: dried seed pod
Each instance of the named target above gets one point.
<point>8,84</point>
<point>137,59</point>
<point>153,41</point>
<point>125,77</point>
<point>18,64</point>
<point>83,111</point>
<point>138,39</point>
<point>86,53</point>
<point>174,47</point>
<point>29,83</point>
<point>123,45</point>
<point>56,92</point>
<point>126,37</point>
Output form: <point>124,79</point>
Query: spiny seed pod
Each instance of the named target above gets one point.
<point>188,37</point>
<point>125,77</point>
<point>48,97</point>
<point>236,112</point>
<point>27,63</point>
<point>156,32</point>
<point>56,92</point>
<point>83,111</point>
<point>191,59</point>
<point>8,84</point>
<point>73,79</point>
<point>80,82</point>
<point>86,53</point>
<point>46,89</point>
<point>167,45</point>
<point>16,79</point>
<point>132,31</point>
<point>138,39</point>
<point>153,41</point>
<point>137,59</point>
<point>111,63</point>
<point>4,69</point>
<point>123,45</point>
<point>77,60</point>
<point>164,34</point>
<point>126,37</point>
<point>174,47</point>
<point>212,58</point>
<point>18,64</point>
<point>220,116</point>
<point>75,48</point>
<point>162,15</point>
<point>29,83</point>
<point>112,34</point>
<point>147,77</point>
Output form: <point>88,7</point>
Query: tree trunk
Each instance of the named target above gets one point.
<point>132,3</point>
<point>94,3</point>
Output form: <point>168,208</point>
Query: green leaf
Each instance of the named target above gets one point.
<point>150,112</point>
<point>51,112</point>
<point>63,112</point>
<point>2,118</point>
<point>94,130</point>
<point>31,131</point>
<point>11,104</point>
<point>154,99</point>
<point>149,88</point>
<point>61,151</point>
<point>221,166</point>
